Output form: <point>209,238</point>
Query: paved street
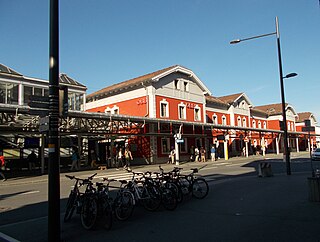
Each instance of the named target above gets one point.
<point>240,207</point>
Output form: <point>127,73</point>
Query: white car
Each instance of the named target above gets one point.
<point>316,154</point>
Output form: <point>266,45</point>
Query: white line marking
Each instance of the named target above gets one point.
<point>27,193</point>
<point>7,238</point>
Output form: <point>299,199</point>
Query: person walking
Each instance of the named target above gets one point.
<point>203,154</point>
<point>128,157</point>
<point>2,167</point>
<point>192,153</point>
<point>119,158</point>
<point>75,159</point>
<point>196,153</point>
<point>172,156</point>
<point>93,159</point>
<point>213,153</point>
<point>32,158</point>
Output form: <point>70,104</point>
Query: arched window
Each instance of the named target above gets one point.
<point>239,121</point>
<point>224,120</point>
<point>254,124</point>
<point>244,122</point>
<point>214,119</point>
<point>265,125</point>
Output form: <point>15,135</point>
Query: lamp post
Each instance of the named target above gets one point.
<point>285,129</point>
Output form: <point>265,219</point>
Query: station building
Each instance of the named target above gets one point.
<point>177,94</point>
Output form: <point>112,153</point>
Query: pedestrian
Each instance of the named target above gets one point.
<point>172,156</point>
<point>93,159</point>
<point>128,157</point>
<point>244,151</point>
<point>203,154</point>
<point>192,153</point>
<point>2,167</point>
<point>119,158</point>
<point>213,153</point>
<point>196,153</point>
<point>32,158</point>
<point>75,157</point>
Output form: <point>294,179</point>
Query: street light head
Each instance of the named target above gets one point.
<point>236,41</point>
<point>290,75</point>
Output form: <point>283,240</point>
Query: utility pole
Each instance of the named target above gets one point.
<point>53,134</point>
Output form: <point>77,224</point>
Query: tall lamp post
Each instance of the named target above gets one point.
<point>285,129</point>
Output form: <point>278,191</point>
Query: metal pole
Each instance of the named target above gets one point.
<point>285,131</point>
<point>53,144</point>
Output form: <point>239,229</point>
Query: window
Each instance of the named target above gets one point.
<point>176,84</point>
<point>292,127</point>
<point>288,126</point>
<point>164,109</point>
<point>214,119</point>
<point>37,91</point>
<point>182,111</point>
<point>259,125</point>
<point>265,125</point>
<point>116,110</point>
<point>12,93</point>
<point>186,86</point>
<point>239,121</point>
<point>27,93</point>
<point>165,145</point>
<point>253,124</point>
<point>224,120</point>
<point>183,146</point>
<point>244,122</point>
<point>197,115</point>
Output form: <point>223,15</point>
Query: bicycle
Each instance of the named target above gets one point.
<point>144,191</point>
<point>75,198</point>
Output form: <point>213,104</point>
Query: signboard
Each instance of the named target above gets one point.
<point>179,141</point>
<point>308,129</point>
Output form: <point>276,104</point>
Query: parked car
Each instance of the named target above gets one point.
<point>316,154</point>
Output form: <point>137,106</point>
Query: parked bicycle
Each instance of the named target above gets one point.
<point>75,199</point>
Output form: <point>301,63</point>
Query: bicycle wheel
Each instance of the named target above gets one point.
<point>200,188</point>
<point>106,218</point>
<point>176,189</point>
<point>124,205</point>
<point>70,206</point>
<point>184,185</point>
<point>168,199</point>
<point>89,212</point>
<point>151,198</point>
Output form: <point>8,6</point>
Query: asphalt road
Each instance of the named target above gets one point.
<point>236,209</point>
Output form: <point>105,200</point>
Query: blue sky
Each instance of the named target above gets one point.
<point>103,42</point>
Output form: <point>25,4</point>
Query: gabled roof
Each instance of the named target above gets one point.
<point>212,99</point>
<point>151,77</point>
<point>6,70</point>
<point>65,79</point>
<point>273,109</point>
<point>301,117</point>
<point>234,97</point>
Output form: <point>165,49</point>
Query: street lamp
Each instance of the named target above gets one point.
<point>285,129</point>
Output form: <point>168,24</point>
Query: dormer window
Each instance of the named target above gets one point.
<point>176,84</point>
<point>185,86</point>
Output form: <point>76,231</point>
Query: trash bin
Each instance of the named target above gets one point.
<point>314,189</point>
<point>265,169</point>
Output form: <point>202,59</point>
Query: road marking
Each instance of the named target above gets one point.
<point>238,164</point>
<point>27,193</point>
<point>7,238</point>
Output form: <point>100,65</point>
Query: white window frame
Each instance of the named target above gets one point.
<point>239,121</point>
<point>265,125</point>
<point>182,105</point>
<point>197,113</point>
<point>244,122</point>
<point>185,86</point>
<point>116,110</point>
<point>214,119</point>
<point>259,124</point>
<point>224,120</point>
<point>176,84</point>
<point>254,125</point>
<point>288,126</point>
<point>164,102</point>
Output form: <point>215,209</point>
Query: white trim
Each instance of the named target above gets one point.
<point>164,101</point>
<point>184,111</point>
